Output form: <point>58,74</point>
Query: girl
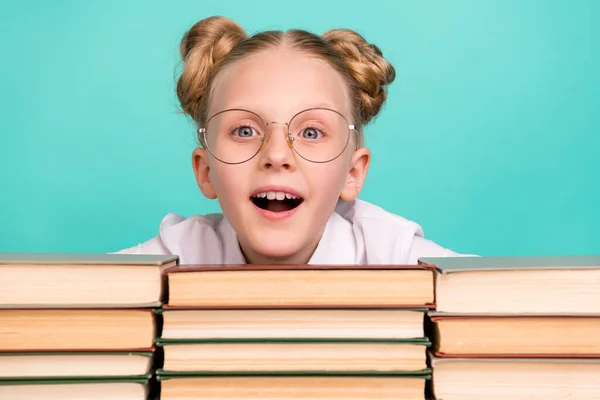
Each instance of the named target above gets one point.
<point>280,119</point>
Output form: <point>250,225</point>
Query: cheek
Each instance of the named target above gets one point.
<point>327,180</point>
<point>229,180</point>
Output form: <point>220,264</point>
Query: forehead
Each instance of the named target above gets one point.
<point>277,83</point>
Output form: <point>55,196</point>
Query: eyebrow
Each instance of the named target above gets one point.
<point>261,112</point>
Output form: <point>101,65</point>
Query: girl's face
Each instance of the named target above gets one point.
<point>277,84</point>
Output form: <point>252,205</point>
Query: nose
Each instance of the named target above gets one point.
<point>277,149</point>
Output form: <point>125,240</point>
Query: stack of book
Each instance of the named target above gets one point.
<point>78,326</point>
<point>516,328</point>
<point>301,332</point>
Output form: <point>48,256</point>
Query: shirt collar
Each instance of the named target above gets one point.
<point>337,244</point>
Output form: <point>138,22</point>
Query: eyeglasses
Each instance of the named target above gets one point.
<point>234,136</point>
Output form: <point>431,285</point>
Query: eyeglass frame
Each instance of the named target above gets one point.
<point>265,139</point>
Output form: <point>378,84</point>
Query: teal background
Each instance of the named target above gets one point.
<point>490,138</point>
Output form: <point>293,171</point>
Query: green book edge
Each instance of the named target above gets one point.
<point>164,375</point>
<point>422,341</point>
<point>509,263</point>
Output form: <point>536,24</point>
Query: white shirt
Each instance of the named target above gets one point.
<point>357,232</point>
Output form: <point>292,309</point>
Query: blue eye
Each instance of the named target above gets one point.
<point>245,131</point>
<point>311,134</point>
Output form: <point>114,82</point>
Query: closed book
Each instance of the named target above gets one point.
<point>53,280</point>
<point>517,285</point>
<point>515,336</point>
<point>293,387</point>
<point>75,389</point>
<point>69,365</point>
<point>76,330</point>
<point>294,357</point>
<point>293,324</point>
<point>515,378</point>
<point>301,286</point>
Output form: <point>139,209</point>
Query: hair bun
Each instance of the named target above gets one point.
<point>370,71</point>
<point>202,48</point>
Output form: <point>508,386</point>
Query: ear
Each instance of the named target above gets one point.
<point>202,172</point>
<point>359,165</point>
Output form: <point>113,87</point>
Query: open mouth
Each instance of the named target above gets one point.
<point>276,201</point>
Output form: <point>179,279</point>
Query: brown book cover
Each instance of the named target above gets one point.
<point>284,267</point>
<point>307,306</point>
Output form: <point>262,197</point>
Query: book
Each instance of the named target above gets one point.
<point>75,389</point>
<point>57,365</point>
<point>456,335</point>
<point>76,330</point>
<point>307,286</point>
<point>42,280</point>
<point>371,324</point>
<point>515,379</point>
<point>239,357</point>
<point>293,387</point>
<point>522,285</point>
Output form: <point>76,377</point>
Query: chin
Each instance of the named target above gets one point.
<point>277,253</point>
<point>277,247</point>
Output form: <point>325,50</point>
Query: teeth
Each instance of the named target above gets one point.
<point>275,195</point>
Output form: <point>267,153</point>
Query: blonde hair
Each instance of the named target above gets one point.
<point>215,42</point>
